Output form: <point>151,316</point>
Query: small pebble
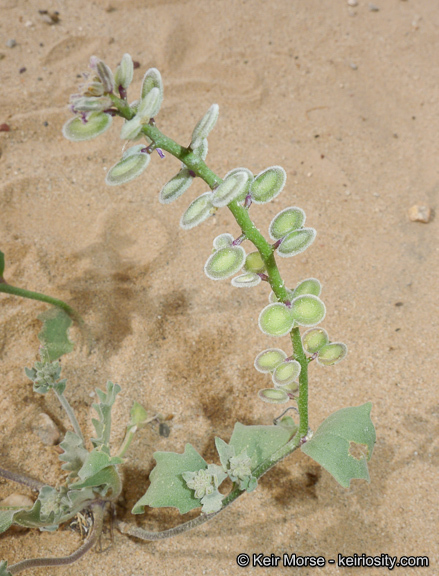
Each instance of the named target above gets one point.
<point>373,8</point>
<point>419,213</point>
<point>17,499</point>
<point>353,66</point>
<point>46,429</point>
<point>11,43</point>
<point>352,3</point>
<point>4,127</point>
<point>22,69</point>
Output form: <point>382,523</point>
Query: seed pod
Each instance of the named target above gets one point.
<point>268,360</point>
<point>268,184</point>
<point>314,339</point>
<point>152,79</point>
<point>296,242</point>
<point>104,72</point>
<point>286,221</point>
<point>286,373</point>
<point>202,149</point>
<point>197,211</point>
<point>231,188</point>
<point>124,72</point>
<point>224,262</point>
<point>308,286</point>
<point>132,164</point>
<point>176,186</point>
<point>246,280</point>
<point>91,104</point>
<point>204,126</point>
<point>77,131</point>
<point>276,320</point>
<point>149,106</point>
<point>222,241</point>
<point>308,310</point>
<point>332,353</point>
<point>254,263</point>
<point>273,396</point>
<point>131,129</point>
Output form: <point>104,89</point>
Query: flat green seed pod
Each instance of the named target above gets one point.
<point>308,286</point>
<point>246,280</point>
<point>254,263</point>
<point>308,310</point>
<point>176,186</point>
<point>332,353</point>
<point>273,396</point>
<point>314,339</point>
<point>223,241</point>
<point>286,221</point>
<point>268,184</point>
<point>286,373</point>
<point>289,388</point>
<point>268,360</point>
<point>131,129</point>
<point>131,166</point>
<point>202,149</point>
<point>197,212</point>
<point>97,123</point>
<point>231,188</point>
<point>296,242</point>
<point>149,106</point>
<point>204,126</point>
<point>224,262</point>
<point>276,320</point>
<point>273,298</point>
<point>152,79</point>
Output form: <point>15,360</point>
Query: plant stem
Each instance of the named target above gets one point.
<point>98,518</point>
<point>21,479</point>
<point>8,289</point>
<point>69,410</point>
<point>302,402</point>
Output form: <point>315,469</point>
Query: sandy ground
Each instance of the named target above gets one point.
<point>346,99</point>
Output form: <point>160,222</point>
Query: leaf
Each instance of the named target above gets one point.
<point>106,479</point>
<point>74,454</point>
<point>167,485</point>
<point>6,518</point>
<point>103,409</point>
<point>95,462</point>
<point>54,334</point>
<point>225,452</point>
<point>260,442</point>
<point>344,443</point>
<point>4,568</point>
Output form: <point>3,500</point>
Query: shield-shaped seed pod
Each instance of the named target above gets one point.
<point>268,184</point>
<point>296,242</point>
<point>308,310</point>
<point>176,186</point>
<point>276,320</point>
<point>286,373</point>
<point>97,123</point>
<point>286,221</point>
<point>308,286</point>
<point>132,164</point>
<point>332,353</point>
<point>224,262</point>
<point>247,280</point>
<point>231,188</point>
<point>314,339</point>
<point>197,211</point>
<point>273,396</point>
<point>268,360</point>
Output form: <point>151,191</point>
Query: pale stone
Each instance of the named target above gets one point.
<point>419,213</point>
<point>46,429</point>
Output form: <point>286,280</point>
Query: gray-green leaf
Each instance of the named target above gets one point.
<point>54,335</point>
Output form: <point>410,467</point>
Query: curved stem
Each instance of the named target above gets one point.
<point>69,410</point>
<point>21,479</point>
<point>8,289</point>
<point>98,519</point>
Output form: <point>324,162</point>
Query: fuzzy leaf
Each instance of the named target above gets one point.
<point>344,443</point>
<point>260,442</point>
<point>4,568</point>
<point>74,454</point>
<point>106,479</point>
<point>176,186</point>
<point>54,334</point>
<point>224,262</point>
<point>6,518</point>
<point>103,423</point>
<point>286,221</point>
<point>167,485</point>
<point>77,131</point>
<point>268,184</point>
<point>225,452</point>
<point>95,462</point>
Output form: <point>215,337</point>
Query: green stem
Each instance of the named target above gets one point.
<point>69,410</point>
<point>8,289</point>
<point>302,401</point>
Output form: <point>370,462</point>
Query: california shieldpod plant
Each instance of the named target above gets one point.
<point>342,444</point>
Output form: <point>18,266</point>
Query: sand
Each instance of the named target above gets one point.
<point>346,100</point>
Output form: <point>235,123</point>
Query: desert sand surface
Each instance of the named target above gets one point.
<point>346,98</point>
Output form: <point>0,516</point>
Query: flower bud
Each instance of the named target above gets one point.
<point>124,72</point>
<point>104,72</point>
<point>152,79</point>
